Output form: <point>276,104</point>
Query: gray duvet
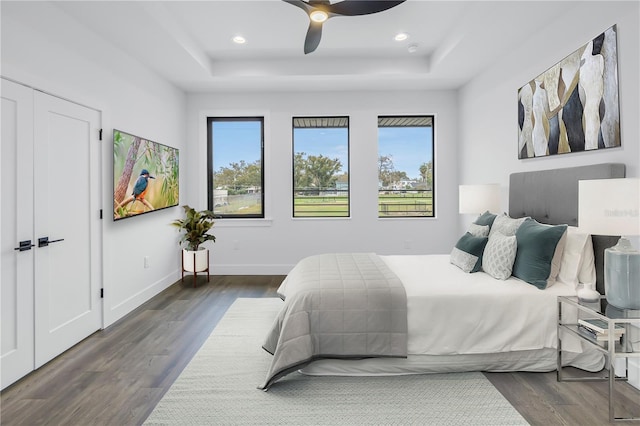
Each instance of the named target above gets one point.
<point>339,305</point>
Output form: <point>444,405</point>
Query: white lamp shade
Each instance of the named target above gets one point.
<point>476,199</point>
<point>609,206</point>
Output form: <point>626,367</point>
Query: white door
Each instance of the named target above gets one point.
<point>16,285</point>
<point>67,215</point>
<point>49,293</point>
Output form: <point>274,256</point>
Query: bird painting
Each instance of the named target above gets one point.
<point>139,190</point>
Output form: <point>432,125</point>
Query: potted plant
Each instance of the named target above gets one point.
<point>195,227</point>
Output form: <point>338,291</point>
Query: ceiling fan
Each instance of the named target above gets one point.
<point>321,10</point>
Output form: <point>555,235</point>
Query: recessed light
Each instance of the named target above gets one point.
<point>401,37</point>
<point>413,48</point>
<point>239,39</point>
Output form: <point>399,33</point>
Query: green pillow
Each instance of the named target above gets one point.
<point>536,248</point>
<point>467,254</point>
<point>485,218</point>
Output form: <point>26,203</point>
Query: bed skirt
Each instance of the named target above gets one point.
<point>541,360</point>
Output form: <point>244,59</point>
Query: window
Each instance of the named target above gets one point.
<point>321,166</point>
<point>234,161</point>
<point>405,166</point>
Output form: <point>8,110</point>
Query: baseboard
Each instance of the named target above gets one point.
<point>114,313</point>
<point>255,269</point>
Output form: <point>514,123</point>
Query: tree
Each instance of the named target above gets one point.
<point>426,172</point>
<point>315,170</point>
<point>397,176</point>
<point>123,182</point>
<point>385,170</point>
<point>322,171</point>
<point>252,176</point>
<point>300,177</point>
<point>238,176</point>
<point>343,178</point>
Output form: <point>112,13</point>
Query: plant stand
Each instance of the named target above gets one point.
<point>195,271</point>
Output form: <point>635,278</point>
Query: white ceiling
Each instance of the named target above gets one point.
<point>190,42</point>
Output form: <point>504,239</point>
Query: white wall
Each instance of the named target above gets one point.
<point>44,48</point>
<point>276,244</point>
<point>476,141</point>
<point>488,150</point>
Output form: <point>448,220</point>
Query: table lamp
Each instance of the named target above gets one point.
<point>477,199</point>
<point>611,207</point>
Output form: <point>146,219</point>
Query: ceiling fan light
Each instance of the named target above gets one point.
<point>318,15</point>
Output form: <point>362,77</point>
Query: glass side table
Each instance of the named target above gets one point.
<point>571,311</point>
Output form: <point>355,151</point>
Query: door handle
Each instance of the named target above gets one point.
<point>24,245</point>
<point>44,241</point>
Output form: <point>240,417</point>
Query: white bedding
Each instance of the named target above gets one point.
<point>465,322</point>
<point>453,312</point>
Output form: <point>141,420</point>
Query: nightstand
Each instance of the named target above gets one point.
<point>571,310</point>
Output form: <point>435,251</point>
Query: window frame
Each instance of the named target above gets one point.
<point>210,171</point>
<point>348,165</point>
<point>433,164</point>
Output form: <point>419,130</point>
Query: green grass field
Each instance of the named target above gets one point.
<point>389,205</point>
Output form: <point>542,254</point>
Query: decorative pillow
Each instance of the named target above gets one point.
<point>506,225</point>
<point>485,218</point>
<point>573,256</point>
<point>537,244</point>
<point>467,254</point>
<point>578,260</point>
<point>478,230</point>
<point>587,271</point>
<point>499,255</point>
<point>557,260</point>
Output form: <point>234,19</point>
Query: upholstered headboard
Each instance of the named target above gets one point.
<point>551,196</point>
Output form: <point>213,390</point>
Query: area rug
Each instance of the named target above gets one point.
<point>219,387</point>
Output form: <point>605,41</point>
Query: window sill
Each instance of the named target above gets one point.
<point>242,223</point>
<point>395,218</point>
<point>307,218</point>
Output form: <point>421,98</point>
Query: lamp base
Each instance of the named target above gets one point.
<point>588,294</point>
<point>622,275</point>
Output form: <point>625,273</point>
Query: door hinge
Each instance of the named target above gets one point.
<point>100,134</point>
<point>102,293</point>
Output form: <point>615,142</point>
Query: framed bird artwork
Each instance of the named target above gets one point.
<point>145,175</point>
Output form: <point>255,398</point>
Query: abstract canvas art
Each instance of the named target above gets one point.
<point>573,106</point>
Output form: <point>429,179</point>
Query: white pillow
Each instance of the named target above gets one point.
<point>556,262</point>
<point>478,230</point>
<point>506,225</point>
<point>578,263</point>
<point>587,270</point>
<point>499,255</point>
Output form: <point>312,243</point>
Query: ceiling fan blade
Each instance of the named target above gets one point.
<point>299,3</point>
<point>345,8</point>
<point>314,33</point>
<point>361,7</point>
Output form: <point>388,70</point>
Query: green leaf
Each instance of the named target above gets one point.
<point>195,227</point>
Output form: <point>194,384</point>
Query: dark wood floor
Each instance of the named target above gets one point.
<point>117,375</point>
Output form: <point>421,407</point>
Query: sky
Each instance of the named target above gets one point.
<point>407,147</point>
<point>234,141</point>
<point>330,142</point>
<point>237,140</point>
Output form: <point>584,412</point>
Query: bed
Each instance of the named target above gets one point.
<point>489,305</point>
